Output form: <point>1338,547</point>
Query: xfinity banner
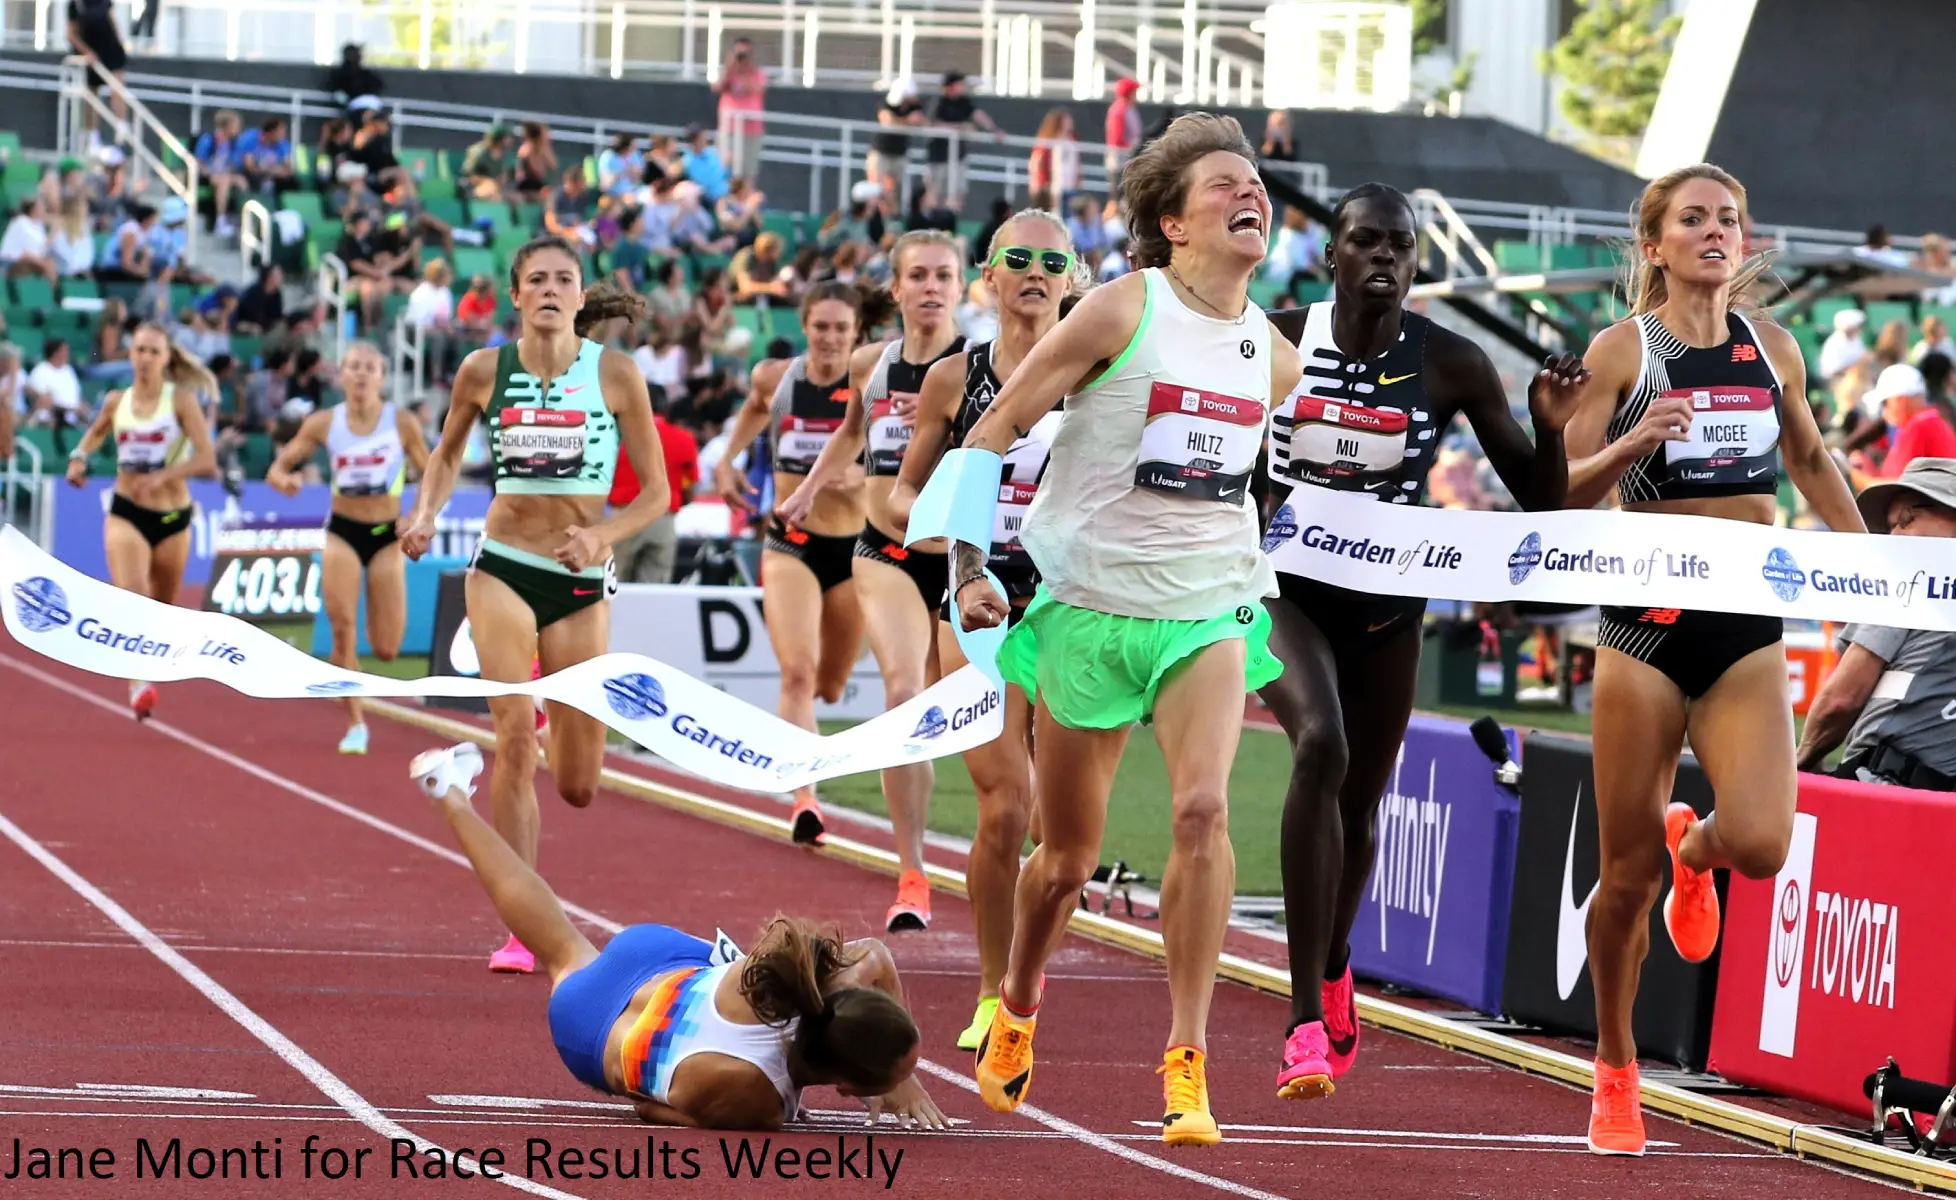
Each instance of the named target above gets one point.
<point>1434,917</point>
<point>1840,962</point>
<point>1547,982</point>
<point>76,532</point>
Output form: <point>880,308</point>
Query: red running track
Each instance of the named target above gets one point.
<point>300,956</point>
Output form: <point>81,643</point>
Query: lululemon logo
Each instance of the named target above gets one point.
<point>1248,348</point>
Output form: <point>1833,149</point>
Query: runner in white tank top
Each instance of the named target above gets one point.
<point>1153,576</point>
<point>161,441</point>
<point>370,443</point>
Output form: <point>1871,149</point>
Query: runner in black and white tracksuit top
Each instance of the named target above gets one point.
<point>1381,385</point>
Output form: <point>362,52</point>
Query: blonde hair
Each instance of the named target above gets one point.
<point>1646,285</point>
<point>917,238</point>
<point>1080,279</point>
<point>1155,182</point>
<point>181,368</point>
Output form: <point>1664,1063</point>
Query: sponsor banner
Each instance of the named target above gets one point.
<point>452,651</point>
<point>1547,981</point>
<point>718,635</point>
<point>76,532</point>
<point>1825,976</point>
<point>1635,559</point>
<point>1434,916</point>
<point>55,610</point>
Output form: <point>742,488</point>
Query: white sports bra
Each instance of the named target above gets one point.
<point>691,1024</point>
<point>146,444</point>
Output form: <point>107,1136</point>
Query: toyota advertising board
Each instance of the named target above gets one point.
<point>1434,915</point>
<point>1838,963</point>
<point>1547,981</point>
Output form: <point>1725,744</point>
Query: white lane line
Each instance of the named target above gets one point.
<point>1545,1139</point>
<point>334,1088</point>
<point>44,944</point>
<point>1078,1133</point>
<point>280,781</point>
<point>1100,1141</point>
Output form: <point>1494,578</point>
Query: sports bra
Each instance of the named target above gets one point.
<point>369,464</point>
<point>680,1019</point>
<point>1025,465</point>
<point>1735,396</point>
<point>805,415</point>
<point>888,435</point>
<point>565,443</point>
<point>146,444</point>
<point>1363,426</point>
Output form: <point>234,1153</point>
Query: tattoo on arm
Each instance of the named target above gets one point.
<point>970,561</point>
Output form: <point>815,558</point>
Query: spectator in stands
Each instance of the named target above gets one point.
<point>648,556</point>
<point>1053,169</point>
<point>628,261</point>
<point>739,211</point>
<point>954,109</point>
<point>431,309</point>
<point>370,269</point>
<point>1297,255</point>
<point>1919,430</point>
<point>1123,132</point>
<point>265,156</point>
<point>1934,340</point>
<point>109,357</point>
<point>92,31</point>
<point>489,168</point>
<point>1891,345</point>
<point>1277,141</point>
<point>756,271</point>
<point>54,390</point>
<point>977,317</point>
<point>692,224</point>
<point>884,165</point>
<point>661,359</point>
<point>373,148</point>
<point>353,80</point>
<point>571,209</point>
<point>475,311</point>
<point>862,224</point>
<point>927,211</point>
<point>660,210</point>
<point>262,306</point>
<point>1935,256</point>
<point>221,165</point>
<point>25,248</point>
<point>621,167</point>
<point>1844,347</point>
<point>661,157</point>
<point>536,161</point>
<point>801,274</point>
<point>1886,697</point>
<point>742,89</point>
<point>845,263</point>
<point>713,313</point>
<point>265,389</point>
<point>169,240</point>
<point>669,300</point>
<point>335,143</point>
<point>13,382</point>
<point>1882,249</point>
<point>197,332</point>
<point>126,257</point>
<point>71,240</point>
<point>702,166</point>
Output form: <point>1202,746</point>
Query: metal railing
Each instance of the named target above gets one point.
<point>30,484</point>
<point>1449,236</point>
<point>78,100</point>
<point>255,241</point>
<point>410,361</point>
<point>1359,51</point>
<point>332,279</point>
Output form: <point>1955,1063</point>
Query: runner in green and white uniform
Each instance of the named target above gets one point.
<point>370,443</point>
<point>1152,579</point>
<point>560,408</point>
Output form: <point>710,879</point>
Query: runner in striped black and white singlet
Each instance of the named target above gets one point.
<point>162,441</point>
<point>808,588</point>
<point>899,587</point>
<point>1152,577</point>
<point>560,409</point>
<point>1692,407</point>
<point>370,443</point>
<point>1033,271</point>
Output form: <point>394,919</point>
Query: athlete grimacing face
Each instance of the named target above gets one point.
<point>1373,252</point>
<point>1225,209</point>
<point>548,290</point>
<point>1703,236</point>
<point>361,372</point>
<point>926,282</point>
<point>831,330</point>
<point>1032,291</point>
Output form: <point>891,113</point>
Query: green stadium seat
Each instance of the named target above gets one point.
<point>447,210</point>
<point>420,163</point>
<point>433,190</point>
<point>31,342</point>
<point>80,289</point>
<point>1568,258</point>
<point>33,292</point>
<point>1517,258</point>
<point>9,145</point>
<point>1881,312</point>
<point>307,204</point>
<point>245,350</point>
<point>471,261</point>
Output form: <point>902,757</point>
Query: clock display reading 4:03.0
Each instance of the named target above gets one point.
<point>265,585</point>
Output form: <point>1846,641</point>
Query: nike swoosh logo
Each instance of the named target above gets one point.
<point>1389,380</point>
<point>1375,485</point>
<point>1382,624</point>
<point>1571,938</point>
<point>575,390</point>
<point>1758,473</point>
<point>584,591</point>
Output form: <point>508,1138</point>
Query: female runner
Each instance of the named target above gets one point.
<point>900,588</point>
<point>693,1034</point>
<point>161,440</point>
<point>560,407</point>
<point>1381,385</point>
<point>1664,673</point>
<point>370,442</point>
<point>1031,268</point>
<point>814,621</point>
<point>1152,576</point>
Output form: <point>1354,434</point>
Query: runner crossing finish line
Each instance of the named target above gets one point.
<point>57,611</point>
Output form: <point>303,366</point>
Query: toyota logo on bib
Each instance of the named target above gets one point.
<point>1786,933</point>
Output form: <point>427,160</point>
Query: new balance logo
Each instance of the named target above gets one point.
<point>1745,352</point>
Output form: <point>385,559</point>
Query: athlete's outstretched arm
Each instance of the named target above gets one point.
<point>907,1101</point>
<point>1613,362</point>
<point>747,425</point>
<point>1096,332</point>
<point>98,432</point>
<point>937,407</point>
<point>467,400</point>
<point>1536,472</point>
<point>1802,448</point>
<point>282,475</point>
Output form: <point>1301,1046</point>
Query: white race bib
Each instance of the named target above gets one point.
<point>802,441</point>
<point>1010,515</point>
<point>1335,436</point>
<point>889,437</point>
<point>140,451</point>
<point>1198,444</point>
<point>1727,424</point>
<point>542,443</point>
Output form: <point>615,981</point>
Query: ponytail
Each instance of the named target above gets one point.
<point>874,306</point>
<point>182,369</point>
<point>603,302</point>
<point>857,1035</point>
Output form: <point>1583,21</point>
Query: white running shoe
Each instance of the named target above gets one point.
<point>355,741</point>
<point>450,767</point>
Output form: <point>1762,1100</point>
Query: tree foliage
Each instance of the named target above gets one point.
<point>1429,26</point>
<point>1612,62</point>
